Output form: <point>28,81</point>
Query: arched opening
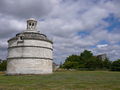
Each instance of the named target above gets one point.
<point>32,24</point>
<point>29,24</point>
<point>21,38</point>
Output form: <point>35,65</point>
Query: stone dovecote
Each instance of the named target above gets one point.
<point>29,52</point>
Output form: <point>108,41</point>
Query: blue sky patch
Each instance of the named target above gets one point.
<point>83,33</point>
<point>94,46</point>
<point>114,23</point>
<point>103,42</point>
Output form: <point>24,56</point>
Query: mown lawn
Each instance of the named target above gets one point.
<point>67,80</point>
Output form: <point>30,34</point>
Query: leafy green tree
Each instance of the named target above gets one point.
<point>86,55</point>
<point>3,65</point>
<point>91,63</point>
<point>70,65</point>
<point>115,65</point>
<point>71,62</point>
<point>99,63</point>
<point>106,64</point>
<point>76,62</point>
<point>73,58</point>
<point>87,61</point>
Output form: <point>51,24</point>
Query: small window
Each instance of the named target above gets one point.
<point>33,24</point>
<point>30,24</point>
<point>21,38</point>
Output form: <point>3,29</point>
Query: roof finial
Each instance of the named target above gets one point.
<point>31,24</point>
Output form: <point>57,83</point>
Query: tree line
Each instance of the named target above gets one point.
<point>3,65</point>
<point>87,61</point>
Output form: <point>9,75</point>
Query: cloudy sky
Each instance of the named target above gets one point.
<point>73,25</point>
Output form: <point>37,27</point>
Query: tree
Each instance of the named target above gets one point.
<point>87,61</point>
<point>3,65</point>
<point>99,63</point>
<point>93,63</point>
<point>71,62</point>
<point>70,65</point>
<point>72,58</point>
<point>115,65</point>
<point>85,55</point>
<point>76,61</point>
<point>106,64</point>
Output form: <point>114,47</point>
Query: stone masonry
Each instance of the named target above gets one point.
<point>29,52</point>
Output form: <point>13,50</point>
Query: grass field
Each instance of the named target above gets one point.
<point>67,80</point>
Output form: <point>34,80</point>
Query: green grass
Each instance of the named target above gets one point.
<point>74,80</point>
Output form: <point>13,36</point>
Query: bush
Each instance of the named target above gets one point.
<point>86,61</point>
<point>3,65</point>
<point>116,65</point>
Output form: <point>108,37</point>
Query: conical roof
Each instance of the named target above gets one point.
<point>31,36</point>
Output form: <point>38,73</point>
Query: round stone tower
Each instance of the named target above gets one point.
<point>29,52</point>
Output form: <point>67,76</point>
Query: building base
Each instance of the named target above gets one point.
<point>29,66</point>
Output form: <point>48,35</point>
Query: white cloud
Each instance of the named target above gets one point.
<point>102,46</point>
<point>26,8</point>
<point>62,20</point>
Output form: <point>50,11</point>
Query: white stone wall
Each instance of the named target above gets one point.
<point>29,66</point>
<point>30,52</point>
<point>29,57</point>
<point>32,43</point>
<point>38,43</point>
